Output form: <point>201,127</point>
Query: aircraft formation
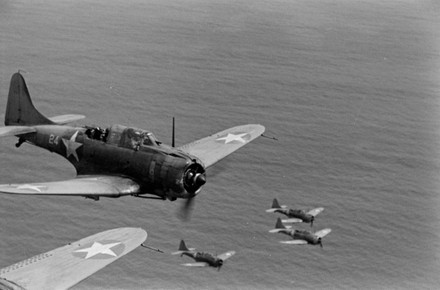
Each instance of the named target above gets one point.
<point>113,162</point>
<point>299,237</point>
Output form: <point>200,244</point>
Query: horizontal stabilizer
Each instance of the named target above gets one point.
<point>316,211</point>
<point>323,233</point>
<point>294,242</point>
<point>15,130</point>
<point>286,230</point>
<point>292,220</point>
<point>271,209</point>
<point>64,119</point>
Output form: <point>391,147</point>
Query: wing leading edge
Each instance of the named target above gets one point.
<point>213,148</point>
<point>91,186</point>
<point>66,266</point>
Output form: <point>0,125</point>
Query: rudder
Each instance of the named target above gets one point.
<point>19,109</point>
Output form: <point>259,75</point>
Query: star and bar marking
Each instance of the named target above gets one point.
<point>71,146</point>
<point>101,250</point>
<point>231,137</point>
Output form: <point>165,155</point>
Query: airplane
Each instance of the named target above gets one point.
<point>300,237</point>
<point>66,266</point>
<point>295,215</point>
<point>118,160</point>
<point>202,259</point>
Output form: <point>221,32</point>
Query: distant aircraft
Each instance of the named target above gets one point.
<point>202,259</point>
<point>300,237</point>
<point>295,215</point>
<point>118,160</point>
<point>66,266</point>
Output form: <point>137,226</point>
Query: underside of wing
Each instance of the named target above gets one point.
<point>89,186</point>
<point>294,242</point>
<point>316,211</point>
<point>292,220</point>
<point>15,130</point>
<point>64,267</point>
<point>323,233</point>
<point>217,146</point>
<point>64,119</point>
<point>226,255</point>
<point>198,264</point>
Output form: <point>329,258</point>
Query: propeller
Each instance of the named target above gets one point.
<point>311,221</point>
<point>320,242</point>
<point>220,264</point>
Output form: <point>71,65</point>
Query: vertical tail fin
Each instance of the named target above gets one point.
<point>182,246</point>
<point>279,224</point>
<point>19,109</point>
<point>275,203</point>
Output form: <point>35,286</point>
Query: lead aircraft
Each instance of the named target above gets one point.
<point>295,215</point>
<point>118,160</point>
<point>66,266</point>
<point>203,259</point>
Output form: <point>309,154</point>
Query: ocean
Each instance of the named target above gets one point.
<point>349,88</point>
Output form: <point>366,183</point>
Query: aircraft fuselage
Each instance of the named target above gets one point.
<point>296,213</point>
<point>159,169</point>
<point>208,258</point>
<point>302,235</point>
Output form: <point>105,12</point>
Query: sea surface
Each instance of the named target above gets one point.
<point>350,89</point>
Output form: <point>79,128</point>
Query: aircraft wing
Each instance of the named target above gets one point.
<point>213,148</point>
<point>89,186</point>
<point>198,264</point>
<point>316,211</point>
<point>295,242</point>
<point>323,233</point>
<point>15,130</point>
<point>64,119</point>
<point>226,255</point>
<point>66,266</point>
<point>292,220</point>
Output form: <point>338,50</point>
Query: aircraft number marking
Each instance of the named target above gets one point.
<point>53,139</point>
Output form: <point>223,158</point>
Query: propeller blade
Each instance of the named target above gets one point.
<point>185,212</point>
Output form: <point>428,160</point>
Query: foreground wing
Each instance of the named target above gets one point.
<point>198,264</point>
<point>66,266</point>
<point>226,255</point>
<point>323,233</point>
<point>294,242</point>
<point>217,146</point>
<point>316,211</point>
<point>15,130</point>
<point>93,186</point>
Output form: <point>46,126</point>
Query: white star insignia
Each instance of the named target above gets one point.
<point>233,137</point>
<point>98,248</point>
<point>71,146</point>
<point>31,187</point>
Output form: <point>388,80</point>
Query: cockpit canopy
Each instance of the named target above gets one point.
<point>133,138</point>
